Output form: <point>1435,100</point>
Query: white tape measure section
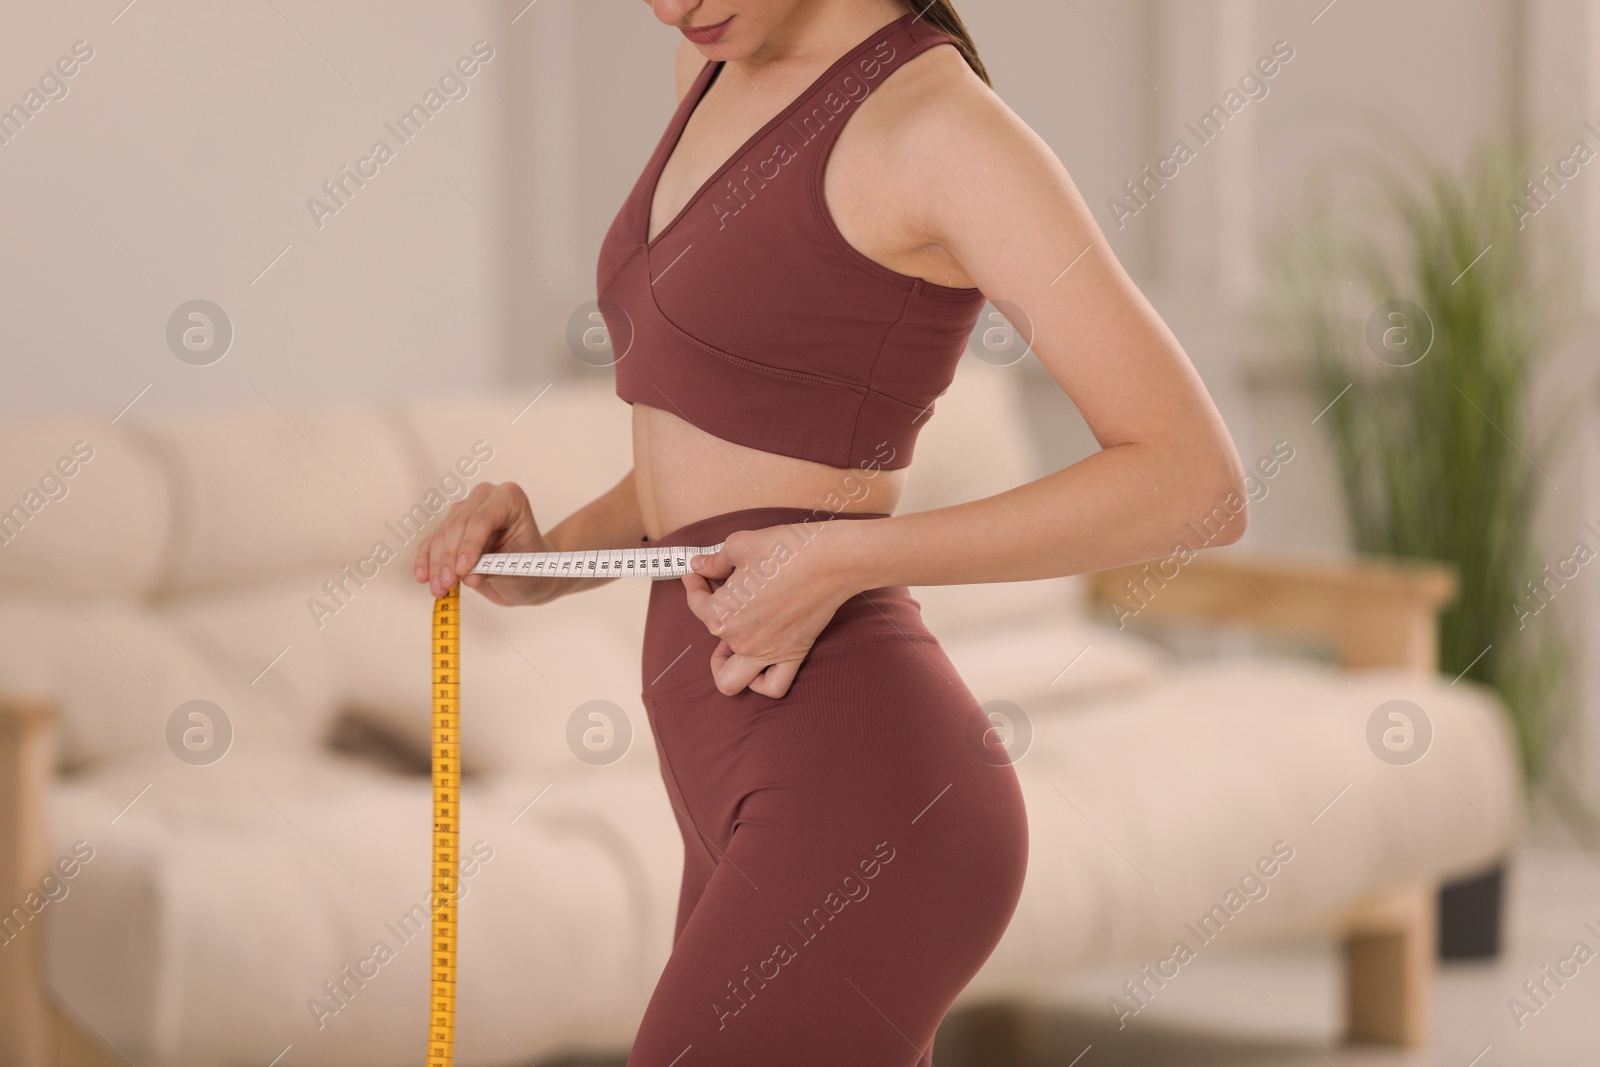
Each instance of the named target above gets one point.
<point>662,562</point>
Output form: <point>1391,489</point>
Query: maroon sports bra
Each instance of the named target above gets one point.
<point>752,318</point>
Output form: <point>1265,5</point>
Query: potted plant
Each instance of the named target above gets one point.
<point>1423,336</point>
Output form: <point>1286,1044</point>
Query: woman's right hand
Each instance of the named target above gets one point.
<point>491,518</point>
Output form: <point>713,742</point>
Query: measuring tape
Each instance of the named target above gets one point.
<point>446,823</point>
<point>598,563</point>
<point>668,562</point>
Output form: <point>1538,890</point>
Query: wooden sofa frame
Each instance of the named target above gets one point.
<point>1374,614</point>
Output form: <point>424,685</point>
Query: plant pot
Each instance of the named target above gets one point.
<point>1471,915</point>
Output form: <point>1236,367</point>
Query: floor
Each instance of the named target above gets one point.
<point>1279,1007</point>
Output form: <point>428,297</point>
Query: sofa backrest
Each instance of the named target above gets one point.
<point>258,557</point>
<point>976,442</point>
<point>162,504</point>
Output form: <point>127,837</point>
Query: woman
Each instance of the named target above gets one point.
<point>791,282</point>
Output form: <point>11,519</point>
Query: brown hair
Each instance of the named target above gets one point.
<point>942,14</point>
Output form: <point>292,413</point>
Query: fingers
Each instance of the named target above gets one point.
<point>497,511</point>
<point>714,567</point>
<point>720,656</point>
<point>445,543</point>
<point>735,673</point>
<point>700,598</point>
<point>454,546</point>
<point>774,681</point>
<point>718,565</point>
<point>732,672</point>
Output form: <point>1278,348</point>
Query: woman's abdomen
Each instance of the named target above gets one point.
<point>683,474</point>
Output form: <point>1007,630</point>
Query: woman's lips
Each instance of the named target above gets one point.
<point>706,34</point>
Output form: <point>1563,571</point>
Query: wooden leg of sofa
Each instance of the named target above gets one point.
<point>24,777</point>
<point>1390,954</point>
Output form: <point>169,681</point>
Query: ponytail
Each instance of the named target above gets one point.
<point>942,15</point>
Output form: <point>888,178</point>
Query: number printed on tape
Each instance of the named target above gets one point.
<point>666,562</point>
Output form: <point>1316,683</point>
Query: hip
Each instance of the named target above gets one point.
<point>875,706</point>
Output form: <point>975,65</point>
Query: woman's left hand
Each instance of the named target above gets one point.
<point>777,592</point>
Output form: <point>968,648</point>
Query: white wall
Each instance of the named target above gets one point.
<point>178,166</point>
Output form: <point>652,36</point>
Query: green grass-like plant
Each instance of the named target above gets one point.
<point>1428,410</point>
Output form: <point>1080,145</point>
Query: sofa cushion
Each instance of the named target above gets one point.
<point>1032,642</point>
<point>1144,816</point>
<point>1146,811</point>
<point>117,671</point>
<point>525,671</point>
<point>266,489</point>
<point>1051,662</point>
<point>270,882</point>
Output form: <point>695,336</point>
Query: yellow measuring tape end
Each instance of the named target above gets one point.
<point>446,824</point>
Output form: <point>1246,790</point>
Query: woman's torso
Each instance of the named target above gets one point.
<point>681,472</point>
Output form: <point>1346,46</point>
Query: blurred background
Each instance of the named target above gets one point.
<point>239,382</point>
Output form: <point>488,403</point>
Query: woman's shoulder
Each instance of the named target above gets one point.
<point>934,139</point>
<point>935,105</point>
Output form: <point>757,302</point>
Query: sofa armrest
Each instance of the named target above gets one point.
<point>24,779</point>
<point>1375,612</point>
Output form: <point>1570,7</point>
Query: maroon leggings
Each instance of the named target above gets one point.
<point>853,850</point>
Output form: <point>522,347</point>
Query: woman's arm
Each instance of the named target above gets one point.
<point>980,197</point>
<point>1005,213</point>
<point>498,518</point>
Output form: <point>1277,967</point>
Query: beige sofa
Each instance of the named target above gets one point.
<point>223,910</point>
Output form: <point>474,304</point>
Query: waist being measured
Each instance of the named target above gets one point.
<point>684,475</point>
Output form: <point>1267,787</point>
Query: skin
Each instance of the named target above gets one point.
<point>933,176</point>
